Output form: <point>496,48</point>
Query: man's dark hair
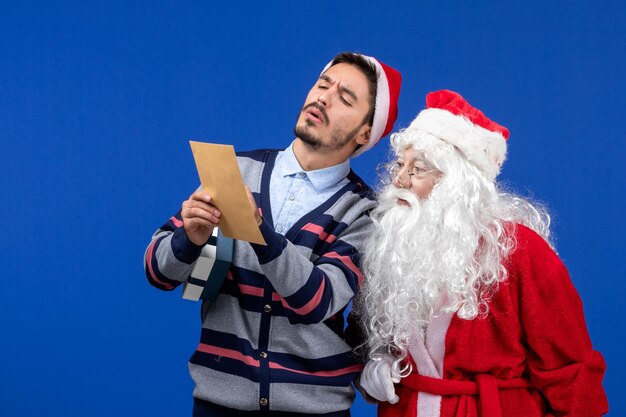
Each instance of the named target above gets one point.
<point>369,70</point>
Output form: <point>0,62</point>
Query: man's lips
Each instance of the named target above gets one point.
<point>316,114</point>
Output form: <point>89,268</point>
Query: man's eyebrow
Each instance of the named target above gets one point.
<point>348,92</point>
<point>343,89</point>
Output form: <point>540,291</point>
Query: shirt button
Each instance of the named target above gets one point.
<point>263,401</point>
<point>292,197</point>
<point>263,355</point>
<point>279,229</point>
<point>267,308</point>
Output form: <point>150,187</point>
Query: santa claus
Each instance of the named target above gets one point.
<point>467,309</point>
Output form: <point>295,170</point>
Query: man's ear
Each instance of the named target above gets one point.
<point>363,137</point>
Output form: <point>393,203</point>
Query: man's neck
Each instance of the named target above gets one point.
<point>311,159</point>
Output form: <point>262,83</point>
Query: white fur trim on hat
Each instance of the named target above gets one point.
<point>385,111</point>
<point>482,147</point>
<point>381,111</point>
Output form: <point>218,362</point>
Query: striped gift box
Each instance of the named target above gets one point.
<point>211,267</point>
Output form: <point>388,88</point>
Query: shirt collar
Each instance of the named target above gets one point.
<point>288,165</point>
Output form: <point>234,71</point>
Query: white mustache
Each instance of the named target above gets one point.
<point>392,193</point>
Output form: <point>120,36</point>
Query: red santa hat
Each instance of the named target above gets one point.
<point>449,117</point>
<point>386,108</point>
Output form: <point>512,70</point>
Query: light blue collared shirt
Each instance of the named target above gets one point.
<point>295,192</point>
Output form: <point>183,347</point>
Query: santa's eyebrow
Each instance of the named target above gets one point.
<point>421,163</point>
<point>421,157</point>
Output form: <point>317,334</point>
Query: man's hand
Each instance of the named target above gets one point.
<point>377,380</point>
<point>199,217</point>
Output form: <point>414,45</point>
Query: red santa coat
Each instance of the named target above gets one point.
<point>534,336</point>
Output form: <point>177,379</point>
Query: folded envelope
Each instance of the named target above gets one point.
<point>220,177</point>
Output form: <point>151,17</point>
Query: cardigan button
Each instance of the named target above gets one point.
<point>263,355</point>
<point>263,401</point>
<point>267,308</point>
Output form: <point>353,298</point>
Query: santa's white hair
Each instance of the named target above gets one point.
<point>452,242</point>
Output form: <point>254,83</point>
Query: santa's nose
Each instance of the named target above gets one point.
<point>397,181</point>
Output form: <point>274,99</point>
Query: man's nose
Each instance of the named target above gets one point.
<point>326,96</point>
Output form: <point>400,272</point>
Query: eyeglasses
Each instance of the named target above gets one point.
<point>419,171</point>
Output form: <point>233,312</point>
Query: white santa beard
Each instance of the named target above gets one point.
<point>413,253</point>
<point>417,251</point>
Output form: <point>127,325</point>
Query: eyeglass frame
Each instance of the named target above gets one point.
<point>393,169</point>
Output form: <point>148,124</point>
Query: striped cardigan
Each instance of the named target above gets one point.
<point>273,339</point>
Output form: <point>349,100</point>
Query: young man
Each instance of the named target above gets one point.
<point>466,307</point>
<point>273,339</point>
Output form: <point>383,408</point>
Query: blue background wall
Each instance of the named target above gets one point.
<point>98,101</point>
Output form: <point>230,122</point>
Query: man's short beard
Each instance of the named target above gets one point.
<point>338,140</point>
<point>307,137</point>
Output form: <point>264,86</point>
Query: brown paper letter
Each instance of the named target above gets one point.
<point>220,177</point>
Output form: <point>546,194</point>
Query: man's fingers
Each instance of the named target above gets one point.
<point>192,213</point>
<point>201,196</point>
<point>201,205</point>
<point>194,208</point>
<point>197,222</point>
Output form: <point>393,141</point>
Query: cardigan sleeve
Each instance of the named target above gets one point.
<point>170,256</point>
<point>561,360</point>
<point>314,290</point>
